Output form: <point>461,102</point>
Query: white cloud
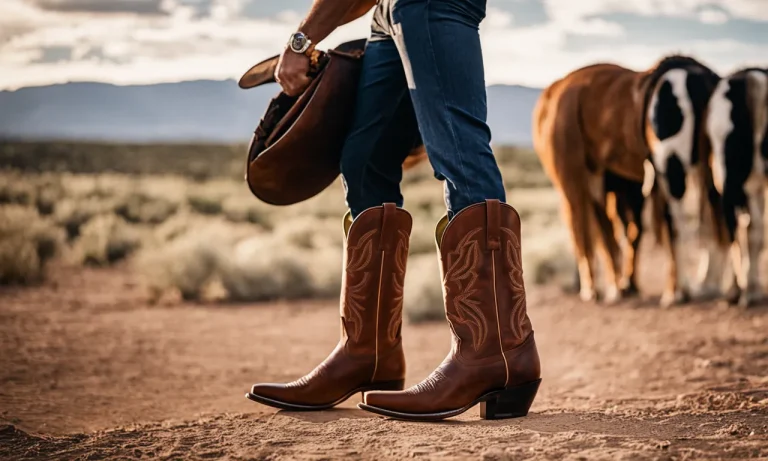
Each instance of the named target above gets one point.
<point>538,55</point>
<point>146,49</point>
<point>217,41</point>
<point>713,17</point>
<point>564,10</point>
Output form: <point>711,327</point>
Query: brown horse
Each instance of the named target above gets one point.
<point>594,132</point>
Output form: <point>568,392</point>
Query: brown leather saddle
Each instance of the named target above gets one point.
<point>295,151</point>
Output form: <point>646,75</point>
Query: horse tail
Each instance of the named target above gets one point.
<point>560,144</point>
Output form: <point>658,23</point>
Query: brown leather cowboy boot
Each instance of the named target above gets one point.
<point>369,355</point>
<point>493,359</point>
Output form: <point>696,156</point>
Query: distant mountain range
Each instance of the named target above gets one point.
<point>194,111</point>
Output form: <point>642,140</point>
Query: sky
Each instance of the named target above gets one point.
<point>527,42</point>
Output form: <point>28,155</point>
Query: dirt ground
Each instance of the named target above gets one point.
<point>89,370</point>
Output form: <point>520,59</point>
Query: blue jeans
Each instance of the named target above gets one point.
<point>422,78</point>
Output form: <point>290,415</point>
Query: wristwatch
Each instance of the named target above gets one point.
<point>300,43</point>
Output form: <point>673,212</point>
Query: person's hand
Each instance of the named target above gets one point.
<point>291,72</point>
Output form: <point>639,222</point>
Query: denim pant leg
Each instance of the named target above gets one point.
<point>439,44</point>
<point>383,131</point>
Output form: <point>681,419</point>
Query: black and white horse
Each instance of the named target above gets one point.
<point>737,129</point>
<point>674,131</point>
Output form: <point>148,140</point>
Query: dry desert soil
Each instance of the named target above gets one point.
<point>90,370</point>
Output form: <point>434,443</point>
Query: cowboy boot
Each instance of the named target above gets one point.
<point>369,355</point>
<point>493,359</point>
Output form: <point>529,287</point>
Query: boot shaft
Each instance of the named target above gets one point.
<point>483,288</point>
<point>375,257</point>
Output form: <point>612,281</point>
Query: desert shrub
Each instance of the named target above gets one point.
<point>16,189</point>
<point>186,264</point>
<point>310,232</point>
<point>27,243</point>
<point>259,269</point>
<point>328,204</point>
<point>192,160</point>
<point>325,267</point>
<point>547,256</point>
<point>423,235</point>
<point>72,214</point>
<point>48,194</point>
<point>241,210</point>
<point>107,239</point>
<point>426,197</point>
<point>205,204</point>
<point>423,297</point>
<point>140,208</point>
<point>541,203</point>
<point>520,167</point>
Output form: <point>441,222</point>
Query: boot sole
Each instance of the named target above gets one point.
<point>384,386</point>
<point>512,402</point>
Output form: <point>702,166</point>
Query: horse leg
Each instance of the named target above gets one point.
<point>676,290</point>
<point>754,231</point>
<point>713,259</point>
<point>576,211</point>
<point>610,250</point>
<point>630,209</point>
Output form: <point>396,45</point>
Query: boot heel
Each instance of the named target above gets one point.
<point>512,402</point>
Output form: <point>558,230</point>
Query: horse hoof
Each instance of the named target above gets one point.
<point>612,296</point>
<point>630,291</point>
<point>674,298</point>
<point>587,295</point>
<point>733,296</point>
<point>707,294</point>
<point>747,300</point>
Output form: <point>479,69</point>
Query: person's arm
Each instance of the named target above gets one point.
<point>324,17</point>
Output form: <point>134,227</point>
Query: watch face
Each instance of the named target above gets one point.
<point>298,41</point>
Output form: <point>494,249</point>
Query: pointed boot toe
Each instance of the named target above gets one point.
<point>369,355</point>
<point>493,362</point>
<point>274,395</point>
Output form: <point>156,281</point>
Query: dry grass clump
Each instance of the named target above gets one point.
<point>310,232</point>
<point>72,213</point>
<point>27,243</point>
<point>426,197</point>
<point>209,198</point>
<point>423,291</point>
<point>329,204</point>
<point>40,191</point>
<point>260,269</point>
<point>520,167</point>
<point>187,264</point>
<point>205,204</point>
<point>248,264</point>
<point>242,209</point>
<point>547,256</point>
<point>326,268</point>
<point>423,235</point>
<point>16,189</point>
<point>142,208</point>
<point>107,239</point>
